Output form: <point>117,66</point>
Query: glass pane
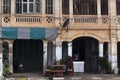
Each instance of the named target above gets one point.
<point>17,1</point>
<point>49,11</point>
<point>118,7</point>
<point>4,2</point>
<point>24,7</point>
<point>38,1</point>
<point>38,7</point>
<point>31,7</point>
<point>49,2</point>
<point>18,6</point>
<point>85,7</point>
<point>65,6</point>
<point>49,6</point>
<point>31,0</point>
<point>6,6</point>
<point>24,0</point>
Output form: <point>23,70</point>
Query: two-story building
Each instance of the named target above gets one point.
<point>32,34</point>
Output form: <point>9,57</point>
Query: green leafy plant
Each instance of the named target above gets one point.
<point>6,69</point>
<point>63,61</point>
<point>105,65</point>
<point>49,67</point>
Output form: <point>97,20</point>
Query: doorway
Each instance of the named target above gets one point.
<point>86,49</point>
<point>29,53</point>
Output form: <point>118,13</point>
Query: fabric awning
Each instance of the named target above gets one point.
<point>28,33</point>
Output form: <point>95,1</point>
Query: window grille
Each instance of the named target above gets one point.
<point>49,6</point>
<point>6,6</point>
<point>65,6</point>
<point>28,6</point>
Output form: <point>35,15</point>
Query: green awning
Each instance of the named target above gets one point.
<point>28,33</point>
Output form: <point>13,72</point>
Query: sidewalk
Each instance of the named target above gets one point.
<point>74,77</point>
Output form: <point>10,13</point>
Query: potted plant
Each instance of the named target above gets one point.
<point>105,65</point>
<point>6,69</point>
<point>62,61</point>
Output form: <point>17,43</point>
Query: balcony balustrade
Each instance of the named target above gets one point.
<point>33,20</point>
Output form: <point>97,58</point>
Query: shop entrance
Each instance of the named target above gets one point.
<point>29,53</point>
<point>86,49</point>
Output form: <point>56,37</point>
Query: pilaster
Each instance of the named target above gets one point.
<point>13,7</point>
<point>43,11</point>
<point>11,56</point>
<point>1,60</point>
<point>58,48</point>
<point>0,13</point>
<point>113,53</point>
<point>12,20</point>
<point>112,13</point>
<point>70,49</point>
<point>44,55</point>
<point>100,49</point>
<point>57,12</point>
<point>0,6</point>
<point>99,10</point>
<point>71,10</point>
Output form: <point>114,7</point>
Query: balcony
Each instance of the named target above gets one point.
<point>37,20</point>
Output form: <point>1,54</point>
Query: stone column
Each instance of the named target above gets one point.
<point>70,49</point>
<point>13,12</point>
<point>43,11</point>
<point>99,10</point>
<point>100,49</point>
<point>13,7</point>
<point>113,32</point>
<point>60,14</point>
<point>109,53</point>
<point>1,6</point>
<point>1,60</point>
<point>44,55</point>
<point>58,49</point>
<point>114,54</point>
<point>11,56</point>
<point>112,13</point>
<point>0,13</point>
<point>112,7</point>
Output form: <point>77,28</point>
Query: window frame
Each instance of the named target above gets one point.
<point>90,7</point>
<point>6,6</point>
<point>118,7</point>
<point>49,7</point>
<point>65,8</point>
<point>27,3</point>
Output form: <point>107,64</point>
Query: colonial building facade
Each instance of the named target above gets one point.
<point>32,32</point>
